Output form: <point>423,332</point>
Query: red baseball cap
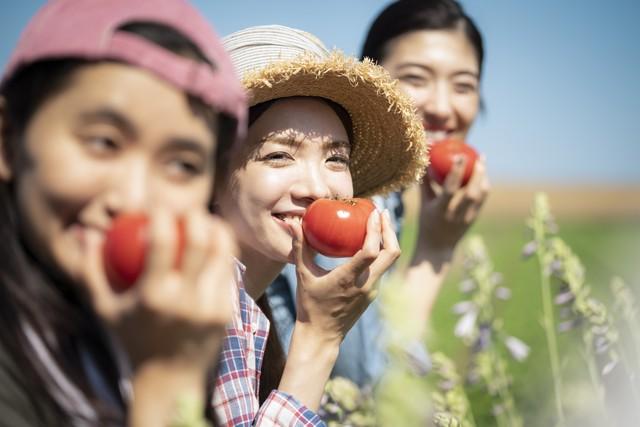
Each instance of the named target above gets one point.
<point>89,29</point>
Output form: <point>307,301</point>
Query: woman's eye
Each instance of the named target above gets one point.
<point>277,158</point>
<point>339,161</point>
<point>101,145</point>
<point>465,88</point>
<point>184,169</point>
<point>414,79</point>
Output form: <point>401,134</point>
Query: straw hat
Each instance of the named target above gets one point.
<point>389,150</point>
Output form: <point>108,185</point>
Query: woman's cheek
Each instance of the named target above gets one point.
<point>415,94</point>
<point>342,185</point>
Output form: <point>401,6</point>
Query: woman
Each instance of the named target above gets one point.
<point>80,144</point>
<point>321,126</point>
<point>436,52</point>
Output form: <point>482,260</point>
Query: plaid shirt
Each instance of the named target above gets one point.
<point>235,398</point>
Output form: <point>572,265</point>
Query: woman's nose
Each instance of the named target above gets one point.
<point>437,105</point>
<point>311,185</point>
<point>128,191</point>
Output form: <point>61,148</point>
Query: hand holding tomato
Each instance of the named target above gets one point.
<point>337,228</point>
<point>448,210</point>
<point>330,302</point>
<point>442,155</point>
<point>170,309</point>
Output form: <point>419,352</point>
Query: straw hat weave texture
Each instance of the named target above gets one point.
<point>389,149</point>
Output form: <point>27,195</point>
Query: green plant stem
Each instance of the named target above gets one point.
<point>552,341</point>
<point>505,396</point>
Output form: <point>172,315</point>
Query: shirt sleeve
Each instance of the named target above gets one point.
<point>281,409</point>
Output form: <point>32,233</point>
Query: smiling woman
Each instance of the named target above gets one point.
<point>299,151</point>
<point>321,125</point>
<point>435,50</point>
<point>81,144</point>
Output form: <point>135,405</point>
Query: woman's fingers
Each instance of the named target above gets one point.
<point>388,255</point>
<point>303,254</point>
<point>108,304</point>
<point>427,187</point>
<point>162,247</point>
<point>474,195</point>
<point>178,290</point>
<point>449,195</point>
<point>484,189</point>
<point>349,273</point>
<point>198,240</point>
<point>215,281</point>
<point>453,181</point>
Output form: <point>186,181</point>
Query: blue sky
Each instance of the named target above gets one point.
<point>561,83</point>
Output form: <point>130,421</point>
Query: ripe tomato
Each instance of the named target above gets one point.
<point>442,154</point>
<point>125,249</point>
<point>337,228</point>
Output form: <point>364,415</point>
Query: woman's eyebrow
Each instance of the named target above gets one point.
<point>337,144</point>
<point>187,144</point>
<point>427,68</point>
<point>294,140</point>
<point>279,138</point>
<point>464,73</point>
<point>414,64</point>
<point>113,117</point>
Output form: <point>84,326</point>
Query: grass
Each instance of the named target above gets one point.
<point>606,248</point>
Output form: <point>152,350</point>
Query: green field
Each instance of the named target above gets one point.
<point>606,248</point>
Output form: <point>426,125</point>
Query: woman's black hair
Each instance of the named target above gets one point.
<point>258,110</point>
<point>405,16</point>
<point>36,302</point>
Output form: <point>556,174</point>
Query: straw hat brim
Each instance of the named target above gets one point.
<point>389,149</point>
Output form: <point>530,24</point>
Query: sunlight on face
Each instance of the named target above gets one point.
<point>297,151</point>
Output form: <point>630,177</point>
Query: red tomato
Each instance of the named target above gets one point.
<point>125,249</point>
<point>442,154</point>
<point>337,228</point>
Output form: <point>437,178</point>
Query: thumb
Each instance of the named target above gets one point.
<point>93,275</point>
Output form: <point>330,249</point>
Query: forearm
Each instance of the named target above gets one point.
<point>158,388</point>
<point>308,367</point>
<point>424,278</point>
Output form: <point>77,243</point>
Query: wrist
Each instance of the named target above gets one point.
<point>309,363</point>
<point>307,341</point>
<point>159,387</point>
<point>438,257</point>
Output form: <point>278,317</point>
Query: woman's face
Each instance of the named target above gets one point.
<point>115,139</point>
<point>297,151</point>
<point>439,70</point>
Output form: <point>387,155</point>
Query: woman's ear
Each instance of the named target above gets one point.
<point>5,156</point>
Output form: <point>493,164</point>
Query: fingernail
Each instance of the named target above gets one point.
<point>387,215</point>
